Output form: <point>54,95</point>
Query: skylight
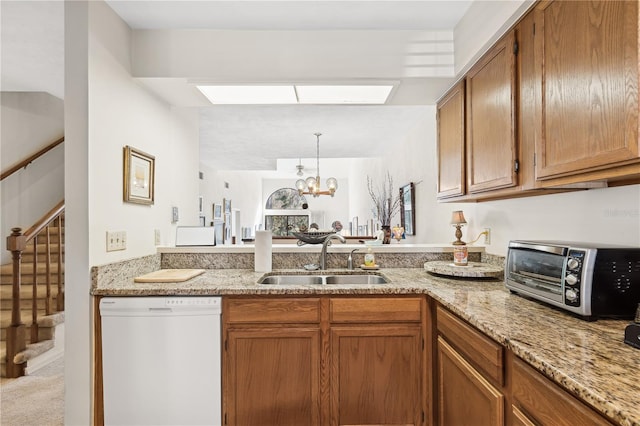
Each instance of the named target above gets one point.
<point>249,95</point>
<point>296,94</point>
<point>343,94</point>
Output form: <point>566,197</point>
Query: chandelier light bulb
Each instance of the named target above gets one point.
<point>311,183</point>
<point>332,184</point>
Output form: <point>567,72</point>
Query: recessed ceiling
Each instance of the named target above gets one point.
<point>255,137</point>
<point>245,137</point>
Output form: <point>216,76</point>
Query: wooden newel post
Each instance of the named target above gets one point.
<point>16,331</point>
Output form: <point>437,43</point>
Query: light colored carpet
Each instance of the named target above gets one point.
<point>35,400</point>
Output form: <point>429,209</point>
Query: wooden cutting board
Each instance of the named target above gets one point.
<point>168,276</point>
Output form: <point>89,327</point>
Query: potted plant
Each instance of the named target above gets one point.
<point>386,203</point>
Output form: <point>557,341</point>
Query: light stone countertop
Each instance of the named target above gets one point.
<point>588,359</point>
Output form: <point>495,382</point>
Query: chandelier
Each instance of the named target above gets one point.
<point>311,185</point>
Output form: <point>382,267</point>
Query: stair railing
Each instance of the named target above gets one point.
<point>17,242</point>
<point>24,163</point>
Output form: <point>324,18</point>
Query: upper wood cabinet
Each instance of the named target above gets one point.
<point>561,114</point>
<point>490,117</point>
<point>587,62</point>
<point>450,118</point>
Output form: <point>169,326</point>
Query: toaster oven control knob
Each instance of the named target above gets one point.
<point>571,279</point>
<point>573,263</point>
<point>571,295</point>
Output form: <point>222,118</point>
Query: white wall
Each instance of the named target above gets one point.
<point>122,112</point>
<point>30,121</point>
<point>483,24</point>
<point>106,109</point>
<point>610,215</point>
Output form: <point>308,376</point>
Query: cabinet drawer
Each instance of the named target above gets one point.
<point>381,309</point>
<point>545,403</point>
<point>281,310</point>
<point>487,355</point>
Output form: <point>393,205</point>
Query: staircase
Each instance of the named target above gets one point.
<point>41,297</point>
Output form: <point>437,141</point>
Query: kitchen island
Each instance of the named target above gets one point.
<point>587,359</point>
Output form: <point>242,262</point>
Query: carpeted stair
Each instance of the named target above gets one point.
<point>47,324</point>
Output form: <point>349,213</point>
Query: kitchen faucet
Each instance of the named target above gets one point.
<point>350,259</point>
<point>323,252</point>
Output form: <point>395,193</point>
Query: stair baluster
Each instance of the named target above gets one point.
<point>60,296</point>
<point>34,297</point>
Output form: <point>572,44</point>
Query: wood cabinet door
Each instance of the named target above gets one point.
<point>490,114</point>
<point>451,122</point>
<point>545,403</point>
<point>272,377</point>
<point>464,396</point>
<point>587,58</point>
<point>376,375</point>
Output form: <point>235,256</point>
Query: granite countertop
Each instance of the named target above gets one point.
<point>587,358</point>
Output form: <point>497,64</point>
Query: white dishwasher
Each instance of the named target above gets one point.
<point>161,360</point>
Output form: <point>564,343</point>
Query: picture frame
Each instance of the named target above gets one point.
<point>217,211</point>
<point>227,206</point>
<point>407,208</point>
<point>138,176</point>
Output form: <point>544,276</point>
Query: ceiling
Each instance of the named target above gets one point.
<point>254,137</point>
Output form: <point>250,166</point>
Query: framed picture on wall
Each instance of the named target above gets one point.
<point>227,206</point>
<point>407,208</point>
<point>138,176</point>
<point>217,212</point>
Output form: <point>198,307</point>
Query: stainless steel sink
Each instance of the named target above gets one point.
<point>346,279</point>
<point>292,279</point>
<point>356,279</point>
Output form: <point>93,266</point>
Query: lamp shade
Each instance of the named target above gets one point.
<point>457,218</point>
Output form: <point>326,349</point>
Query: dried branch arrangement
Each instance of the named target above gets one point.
<point>386,201</point>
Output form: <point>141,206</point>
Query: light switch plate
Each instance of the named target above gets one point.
<point>116,240</point>
<point>156,235</point>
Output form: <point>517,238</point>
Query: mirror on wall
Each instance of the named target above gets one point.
<point>407,209</point>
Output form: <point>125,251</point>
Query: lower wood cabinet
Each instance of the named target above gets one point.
<point>537,400</point>
<point>479,382</point>
<point>376,375</point>
<point>324,361</point>
<point>465,397</point>
<point>273,376</point>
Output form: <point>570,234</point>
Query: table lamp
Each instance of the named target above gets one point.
<point>458,220</point>
<point>460,254</point>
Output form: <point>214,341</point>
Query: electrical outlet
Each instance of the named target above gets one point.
<point>116,240</point>
<point>156,234</point>
<point>487,236</point>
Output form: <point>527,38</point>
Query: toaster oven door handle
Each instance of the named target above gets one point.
<point>560,251</point>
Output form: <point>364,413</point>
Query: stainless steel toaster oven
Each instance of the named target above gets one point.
<point>590,280</point>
